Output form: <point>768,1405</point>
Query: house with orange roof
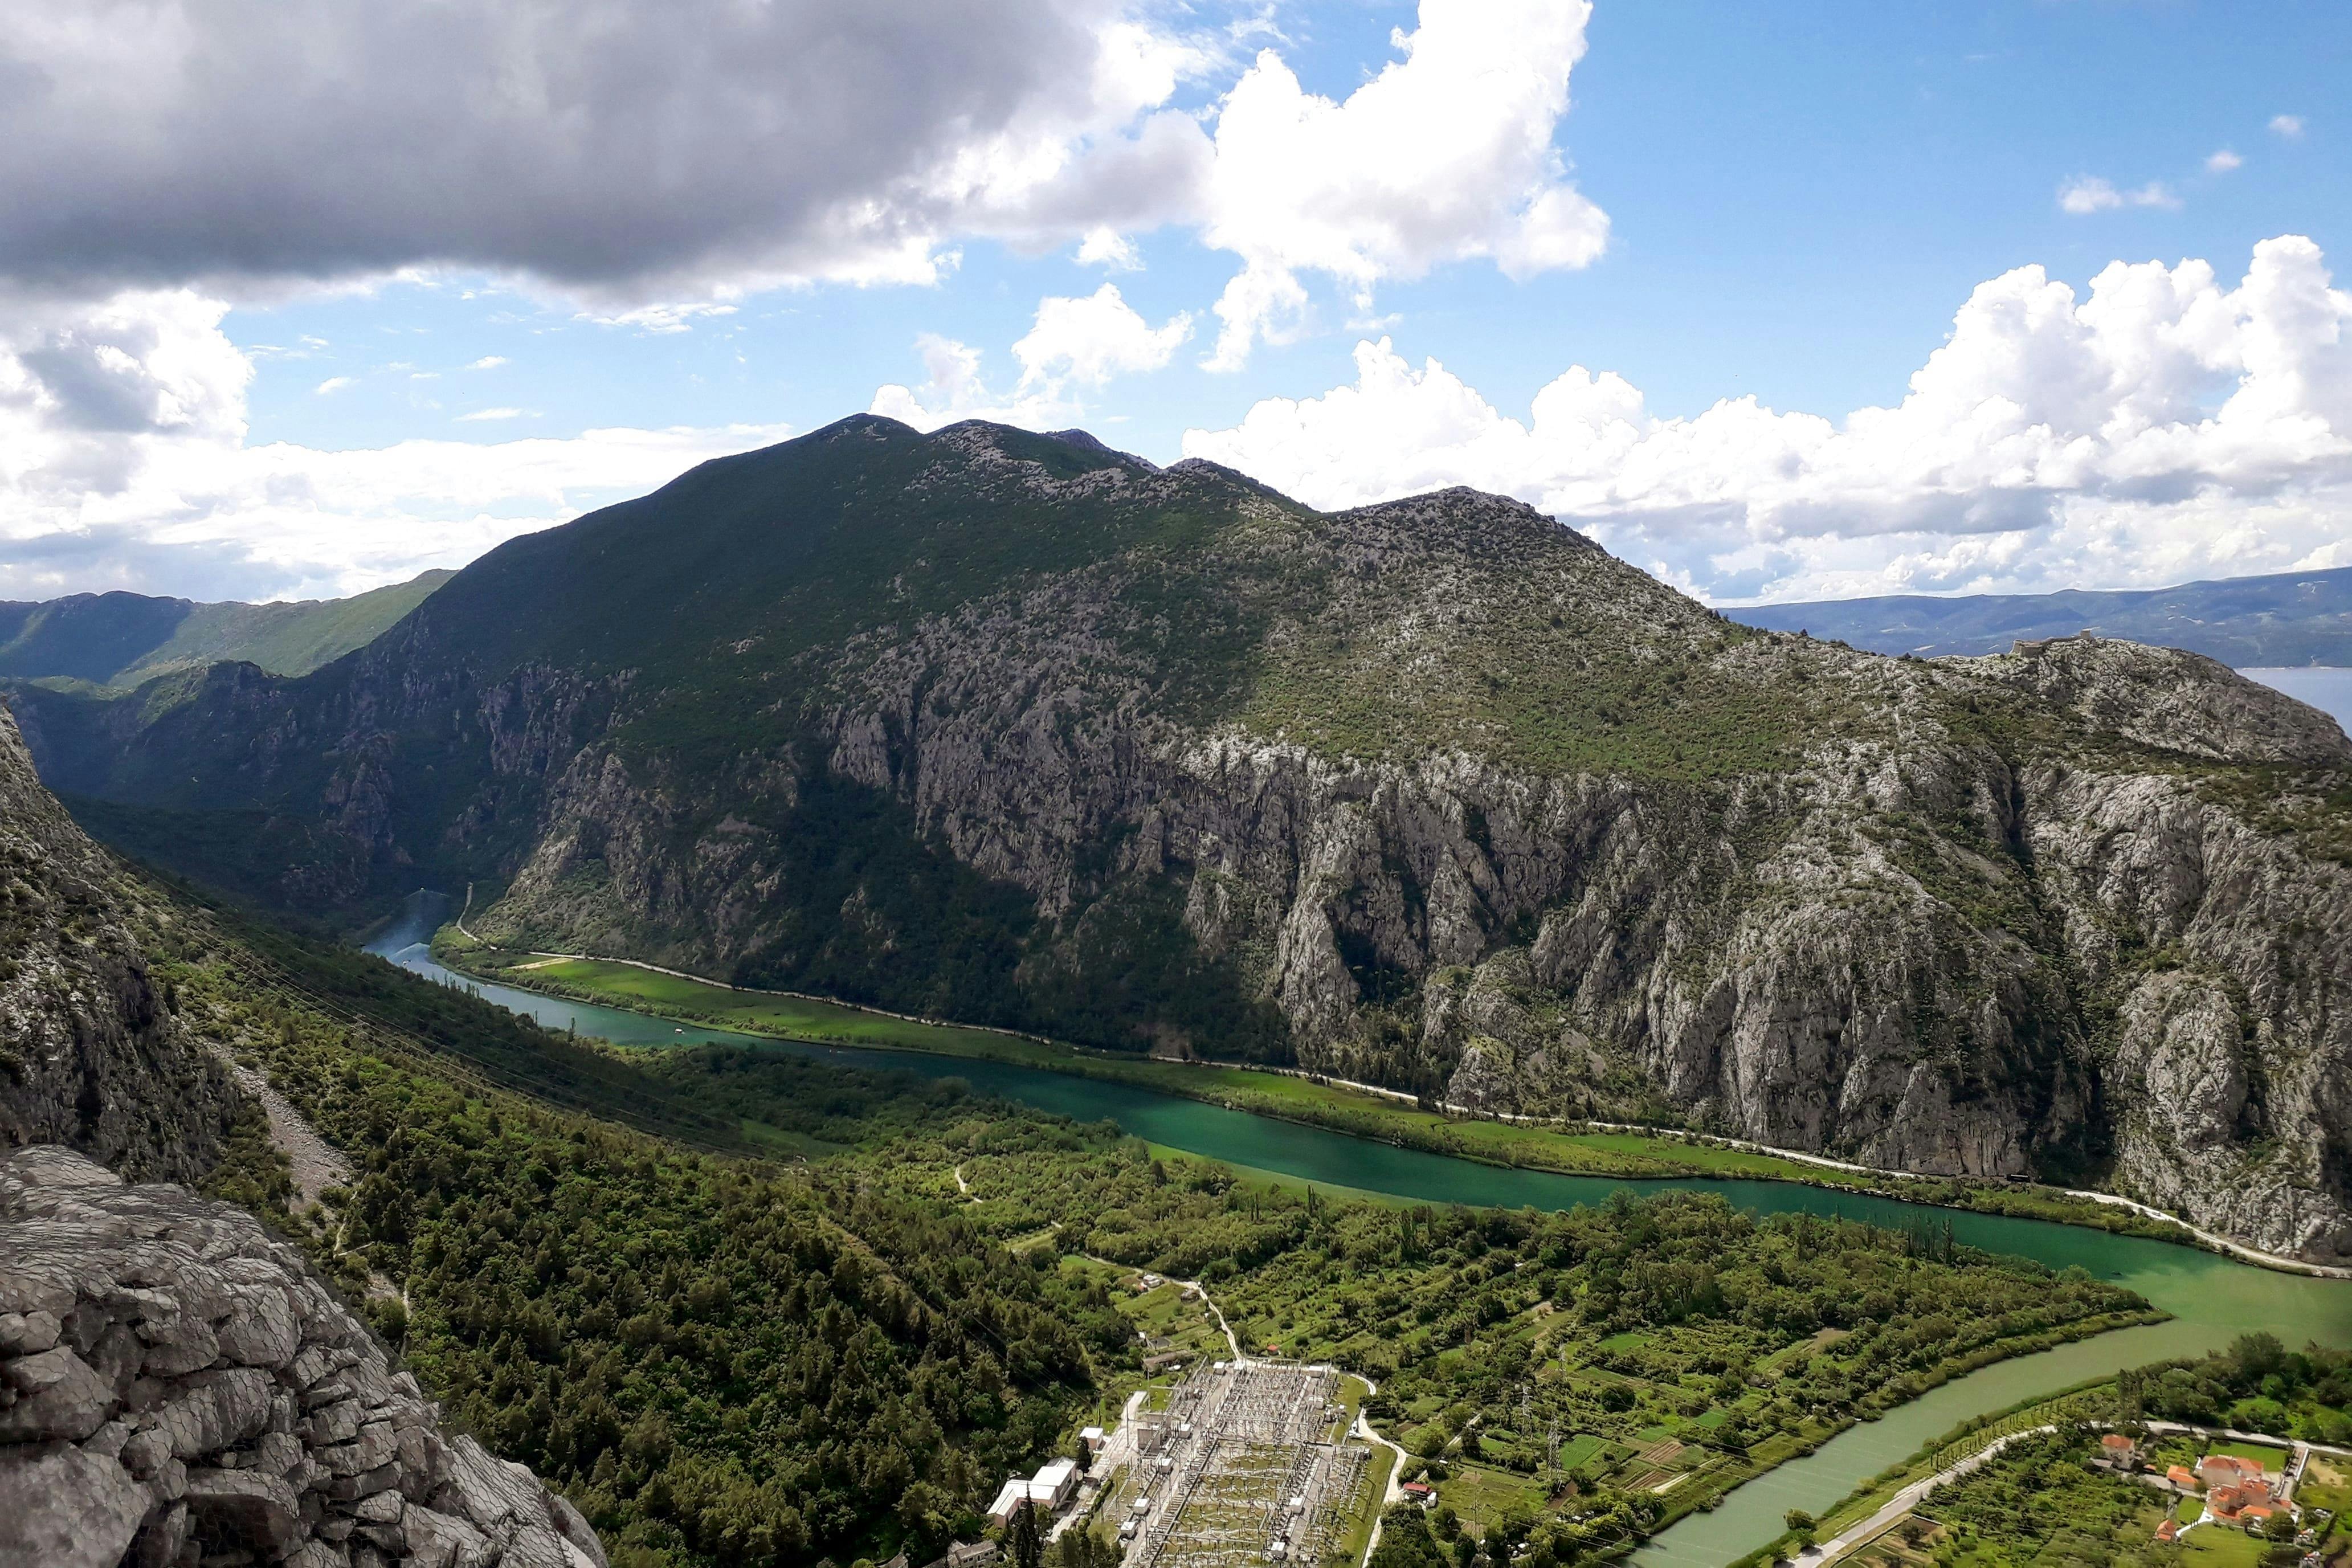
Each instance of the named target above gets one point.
<point>2249,1499</point>
<point>2182,1477</point>
<point>2229,1469</point>
<point>2169,1530</point>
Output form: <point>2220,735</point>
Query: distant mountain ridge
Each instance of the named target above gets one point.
<point>2287,618</point>
<point>122,640</point>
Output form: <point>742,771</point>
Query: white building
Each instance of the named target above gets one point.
<point>1055,1483</point>
<point>1049,1489</point>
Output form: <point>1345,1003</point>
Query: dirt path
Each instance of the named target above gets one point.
<point>317,1167</point>
<point>1394,1492</point>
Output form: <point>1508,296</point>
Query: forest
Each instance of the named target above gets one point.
<point>807,1338</point>
<point>2257,1385</point>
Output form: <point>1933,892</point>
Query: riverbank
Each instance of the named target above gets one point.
<point>2212,1296</point>
<point>1882,1500</point>
<point>1364,1110</point>
<point>1953,1453</point>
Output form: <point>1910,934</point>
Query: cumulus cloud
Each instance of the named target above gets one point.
<point>2167,426</point>
<point>1447,154</point>
<point>2090,194</point>
<point>1105,246</point>
<point>497,414</point>
<point>488,362</point>
<point>333,385</point>
<point>636,147</point>
<point>2289,126</point>
<point>954,388</point>
<point>1071,343</point>
<point>2222,162</point>
<point>655,162</point>
<point>125,463</point>
<point>1093,339</point>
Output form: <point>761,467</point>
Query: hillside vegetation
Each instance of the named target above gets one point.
<point>1014,729</point>
<point>121,639</point>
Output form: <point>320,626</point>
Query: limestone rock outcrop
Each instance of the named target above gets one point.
<point>90,1054</point>
<point>177,1388</point>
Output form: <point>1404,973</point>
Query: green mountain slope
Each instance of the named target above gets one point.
<point>1017,730</point>
<point>122,640</point>
<point>2288,618</point>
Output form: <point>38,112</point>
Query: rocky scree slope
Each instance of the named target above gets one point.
<point>91,1052</point>
<point>177,1388</point>
<point>1435,793</point>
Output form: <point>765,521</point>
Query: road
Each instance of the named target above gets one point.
<point>1906,1500</point>
<point>1910,1496</point>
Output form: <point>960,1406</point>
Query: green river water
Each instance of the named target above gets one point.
<point>2212,1298</point>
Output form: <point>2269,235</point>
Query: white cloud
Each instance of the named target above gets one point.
<point>677,316</point>
<point>333,385</point>
<point>2289,126</point>
<point>124,464</point>
<point>1093,339</point>
<point>488,362</point>
<point>2164,428</point>
<point>625,157</point>
<point>801,142</point>
<point>1109,247</point>
<point>953,389</point>
<point>2089,194</point>
<point>1447,154</point>
<point>498,413</point>
<point>2222,162</point>
<point>1083,341</point>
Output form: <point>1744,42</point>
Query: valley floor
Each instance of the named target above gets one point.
<point>1366,1110</point>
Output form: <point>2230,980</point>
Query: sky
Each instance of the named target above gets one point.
<point>1776,303</point>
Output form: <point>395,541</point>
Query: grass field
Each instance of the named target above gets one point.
<point>1376,1485</point>
<point>2327,1483</point>
<point>2269,1457</point>
<point>1274,1093</point>
<point>1580,1450</point>
<point>2220,1546</point>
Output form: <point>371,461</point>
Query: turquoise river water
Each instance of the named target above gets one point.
<point>2212,1298</point>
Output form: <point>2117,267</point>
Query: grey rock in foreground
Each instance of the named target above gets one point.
<point>176,1387</point>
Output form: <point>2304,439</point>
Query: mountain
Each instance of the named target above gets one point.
<point>122,640</point>
<point>1018,729</point>
<point>92,1055</point>
<point>2293,617</point>
<point>182,1384</point>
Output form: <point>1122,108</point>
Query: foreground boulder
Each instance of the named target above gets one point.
<point>177,1388</point>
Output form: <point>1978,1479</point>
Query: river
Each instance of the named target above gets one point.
<point>2212,1298</point>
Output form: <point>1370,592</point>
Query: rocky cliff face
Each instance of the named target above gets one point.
<point>1951,932</point>
<point>1435,793</point>
<point>177,1388</point>
<point>90,1054</point>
